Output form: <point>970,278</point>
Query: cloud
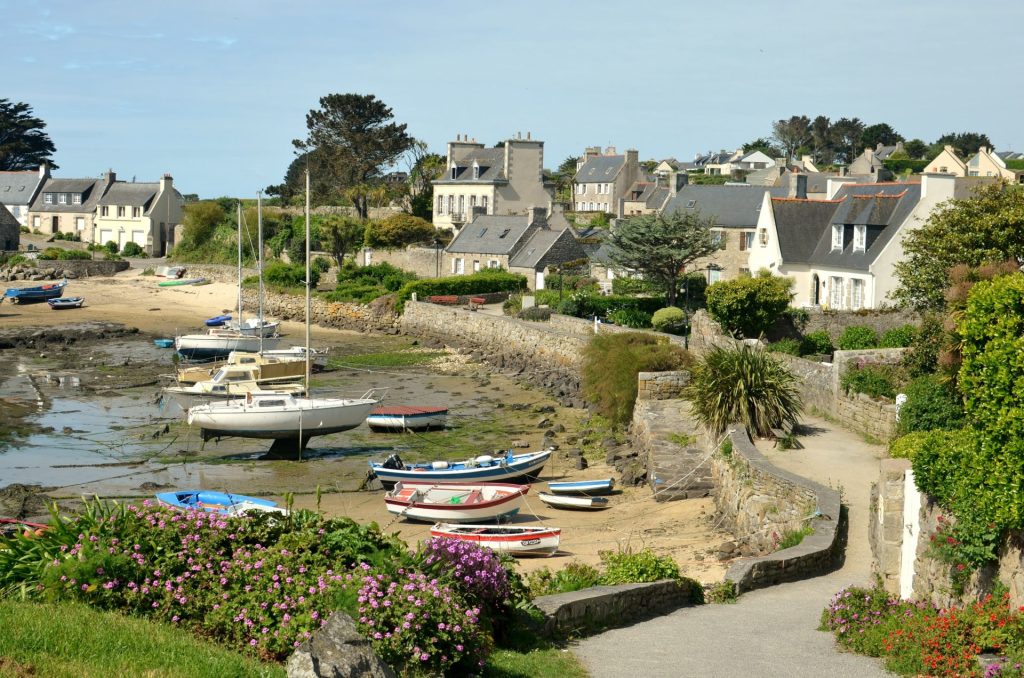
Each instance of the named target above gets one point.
<point>221,41</point>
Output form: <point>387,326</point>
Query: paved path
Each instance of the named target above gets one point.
<point>771,632</point>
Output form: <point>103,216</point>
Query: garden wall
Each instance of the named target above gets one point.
<point>605,606</point>
<point>84,267</point>
<point>673,446</point>
<point>905,517</point>
<point>661,385</point>
<point>836,322</point>
<point>762,503</point>
<point>423,261</point>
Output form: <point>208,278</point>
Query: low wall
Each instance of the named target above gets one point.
<point>425,262</point>
<point>84,267</point>
<point>675,447</point>
<point>763,502</point>
<point>605,606</point>
<point>836,322</point>
<point>661,385</point>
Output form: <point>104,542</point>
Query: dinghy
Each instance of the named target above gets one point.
<point>455,502</point>
<point>407,418</point>
<point>504,468</point>
<point>181,281</point>
<point>163,343</point>
<point>217,502</point>
<point>217,320</point>
<point>587,487</point>
<point>24,295</point>
<point>574,503</point>
<point>514,540</point>
<point>65,302</point>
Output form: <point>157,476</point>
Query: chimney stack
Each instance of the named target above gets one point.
<point>801,186</point>
<point>166,181</point>
<point>527,136</point>
<point>676,180</point>
<point>539,215</point>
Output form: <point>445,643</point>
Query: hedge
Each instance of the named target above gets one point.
<point>480,282</point>
<point>900,165</point>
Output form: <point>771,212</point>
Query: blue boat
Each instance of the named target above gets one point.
<point>217,320</point>
<point>487,468</point>
<point>25,295</point>
<point>586,487</point>
<point>216,502</point>
<point>164,343</point>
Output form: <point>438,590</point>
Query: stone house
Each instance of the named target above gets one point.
<point>144,213</point>
<point>520,244</point>
<point>841,252</point>
<point>646,197</point>
<point>871,161</point>
<point>10,230</point>
<point>505,180</point>
<point>19,189</point>
<point>68,205</point>
<point>602,180</point>
<point>947,162</point>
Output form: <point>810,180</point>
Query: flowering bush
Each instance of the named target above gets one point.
<point>479,572</point>
<point>420,625</point>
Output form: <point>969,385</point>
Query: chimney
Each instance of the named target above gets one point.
<point>676,181</point>
<point>983,149</point>
<point>780,162</point>
<point>632,157</point>
<point>109,177</point>
<point>477,211</point>
<point>527,136</point>
<point>835,183</point>
<point>610,151</point>
<point>166,182</point>
<point>937,187</point>
<point>44,171</point>
<point>801,187</point>
<point>539,216</point>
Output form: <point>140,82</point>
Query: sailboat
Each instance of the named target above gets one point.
<point>257,326</point>
<point>220,341</point>
<point>284,417</point>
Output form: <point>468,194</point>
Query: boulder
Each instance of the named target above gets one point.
<point>544,423</point>
<point>337,650</point>
<point>581,463</point>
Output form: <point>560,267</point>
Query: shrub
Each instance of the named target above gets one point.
<point>898,337</point>
<point>745,385</point>
<point>399,230</point>
<point>513,305</point>
<point>748,306</point>
<point>321,264</point>
<point>876,381</point>
<point>132,249</point>
<point>907,446</point>
<point>931,404</point>
<point>626,286</point>
<point>857,337</point>
<point>630,317</point>
<point>573,577</point>
<point>787,346</point>
<point>670,319</point>
<point>481,282</point>
<point>611,363</point>
<point>57,253</point>
<point>816,343</point>
<point>199,222</point>
<point>285,275</point>
<point>111,247</point>
<point>929,340</point>
<point>637,568</point>
<point>535,313</point>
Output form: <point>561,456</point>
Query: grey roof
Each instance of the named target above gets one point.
<point>882,208</point>
<point>490,234</point>
<point>600,168</point>
<point>800,225</point>
<point>731,206</point>
<point>18,188</point>
<point>90,189</point>
<point>490,160</point>
<point>885,151</point>
<point>131,194</point>
<point>534,252</point>
<point>647,192</point>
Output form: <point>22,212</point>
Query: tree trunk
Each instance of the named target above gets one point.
<point>670,295</point>
<point>362,209</point>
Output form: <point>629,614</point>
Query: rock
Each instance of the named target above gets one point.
<point>726,550</point>
<point>609,443</point>
<point>544,409</point>
<point>520,443</point>
<point>581,463</point>
<point>633,473</point>
<point>544,423</point>
<point>558,428</point>
<point>337,650</point>
<point>613,456</point>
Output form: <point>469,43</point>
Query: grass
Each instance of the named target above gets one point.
<point>78,642</point>
<point>791,539</point>
<point>537,663</point>
<point>388,359</point>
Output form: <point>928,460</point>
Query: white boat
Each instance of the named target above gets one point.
<point>217,343</point>
<point>455,502</point>
<point>574,503</point>
<point>515,540</point>
<point>588,487</point>
<point>232,381</point>
<point>255,326</point>
<point>272,364</point>
<point>407,418</point>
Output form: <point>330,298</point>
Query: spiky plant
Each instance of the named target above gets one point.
<point>745,385</point>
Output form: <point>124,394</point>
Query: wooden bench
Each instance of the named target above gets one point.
<point>786,431</point>
<point>446,299</point>
<point>479,301</point>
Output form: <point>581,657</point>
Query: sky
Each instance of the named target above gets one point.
<point>214,92</point>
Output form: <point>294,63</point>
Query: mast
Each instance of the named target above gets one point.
<point>259,260</point>
<point>308,284</point>
<point>239,265</point>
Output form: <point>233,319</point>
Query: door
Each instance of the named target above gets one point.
<point>540,280</point>
<point>106,235</point>
<point>139,238</point>
<point>815,290</point>
<point>120,240</point>
<point>79,224</point>
<point>55,224</point>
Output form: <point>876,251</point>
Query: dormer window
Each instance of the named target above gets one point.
<point>837,237</point>
<point>62,198</point>
<point>48,198</point>
<point>76,199</point>
<point>476,171</point>
<point>690,204</point>
<point>860,237</point>
<point>454,172</point>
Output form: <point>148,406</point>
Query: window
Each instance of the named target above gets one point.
<point>76,199</point>
<point>690,204</point>
<point>440,204</point>
<point>476,266</point>
<point>581,189</point>
<point>856,294</point>
<point>944,170</point>
<point>120,210</point>
<point>48,198</point>
<point>104,211</point>
<point>454,172</point>
<point>35,223</point>
<point>462,204</point>
<point>762,236</point>
<point>714,275</point>
<point>860,236</point>
<point>79,223</point>
<point>592,208</point>
<point>62,198</point>
<point>746,241</point>
<point>483,203</point>
<point>744,272</point>
<point>837,237</point>
<point>835,293</point>
<point>472,201</point>
<point>476,171</point>
<point>716,238</point>
<point>136,212</point>
<point>458,266</point>
<point>451,203</point>
<point>493,263</point>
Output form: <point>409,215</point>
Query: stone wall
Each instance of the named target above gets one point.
<point>84,267</point>
<point>674,447</point>
<point>578,612</point>
<point>423,261</point>
<point>762,503</point>
<point>661,385</point>
<point>887,522</point>
<point>880,320</point>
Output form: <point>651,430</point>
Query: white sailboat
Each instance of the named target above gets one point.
<point>284,417</point>
<point>258,326</point>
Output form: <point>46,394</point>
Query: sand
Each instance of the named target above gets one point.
<point>685,530</point>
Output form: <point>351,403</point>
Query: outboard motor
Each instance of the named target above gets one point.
<point>393,462</point>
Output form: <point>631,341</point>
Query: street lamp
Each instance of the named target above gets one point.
<point>437,257</point>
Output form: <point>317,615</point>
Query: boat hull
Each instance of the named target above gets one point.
<point>188,397</point>
<point>574,503</point>
<point>583,487</point>
<point>28,295</point>
<point>453,502</point>
<point>64,303</point>
<point>221,503</point>
<point>514,541</point>
<point>403,418</point>
<point>211,346</point>
<point>521,466</point>
<point>294,418</point>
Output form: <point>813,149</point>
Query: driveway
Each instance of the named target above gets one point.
<point>771,632</point>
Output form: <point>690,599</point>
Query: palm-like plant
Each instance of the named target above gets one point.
<point>745,385</point>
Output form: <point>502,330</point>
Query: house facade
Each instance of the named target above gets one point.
<point>144,213</point>
<point>19,189</point>
<point>986,163</point>
<point>602,180</point>
<point>10,230</point>
<point>505,180</point>
<point>947,162</point>
<point>68,206</point>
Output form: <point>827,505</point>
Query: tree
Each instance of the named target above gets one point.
<point>882,133</point>
<point>399,230</point>
<point>763,145</point>
<point>200,220</point>
<point>323,189</point>
<point>661,246</point>
<point>23,143</point>
<point>749,306</point>
<point>563,177</point>
<point>357,140</point>
<point>986,228</point>
<point>821,140</point>
<point>341,235</point>
<point>846,136</point>
<point>965,144</point>
<point>426,167</point>
<point>792,134</point>
<point>916,149</point>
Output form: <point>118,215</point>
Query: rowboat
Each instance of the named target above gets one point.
<point>163,343</point>
<point>587,487</point>
<point>170,271</point>
<point>24,295</point>
<point>407,418</point>
<point>511,539</point>
<point>65,302</point>
<point>503,468</point>
<point>217,502</point>
<point>574,503</point>
<point>455,502</point>
<point>181,281</point>
<point>217,320</point>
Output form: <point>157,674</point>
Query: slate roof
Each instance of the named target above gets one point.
<point>131,194</point>
<point>600,168</point>
<point>731,206</point>
<point>490,234</point>
<point>90,189</point>
<point>492,167</point>
<point>18,188</point>
<point>649,193</point>
<point>884,152</point>
<point>800,225</point>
